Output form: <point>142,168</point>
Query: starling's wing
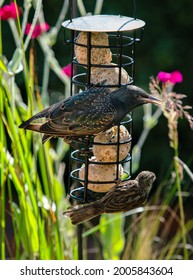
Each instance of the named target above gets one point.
<point>124,198</point>
<point>43,114</point>
<point>85,113</point>
<point>96,114</point>
<point>61,114</point>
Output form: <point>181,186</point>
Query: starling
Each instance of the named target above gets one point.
<point>88,112</point>
<point>121,198</point>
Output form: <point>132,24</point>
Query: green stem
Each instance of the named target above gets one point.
<point>27,7</point>
<point>180,199</point>
<point>41,17</point>
<point>186,168</point>
<point>21,156</point>
<point>61,17</point>
<point>2,184</point>
<point>1,45</point>
<point>45,96</point>
<point>98,7</point>
<point>81,8</point>
<point>35,18</point>
<point>14,32</point>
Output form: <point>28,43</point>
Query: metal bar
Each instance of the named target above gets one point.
<point>80,245</point>
<point>89,48</point>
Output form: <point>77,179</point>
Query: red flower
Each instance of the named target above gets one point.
<point>173,77</point>
<point>38,29</point>
<point>9,11</point>
<point>68,70</point>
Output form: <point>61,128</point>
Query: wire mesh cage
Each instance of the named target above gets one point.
<point>103,56</point>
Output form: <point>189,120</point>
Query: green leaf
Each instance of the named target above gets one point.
<point>2,65</point>
<point>112,235</point>
<point>15,66</point>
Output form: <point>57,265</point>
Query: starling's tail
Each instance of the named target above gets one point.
<point>42,114</point>
<point>34,127</point>
<point>82,213</point>
<point>46,137</point>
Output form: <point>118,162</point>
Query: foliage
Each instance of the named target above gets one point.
<point>32,187</point>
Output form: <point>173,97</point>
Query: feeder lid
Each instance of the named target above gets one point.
<point>103,23</point>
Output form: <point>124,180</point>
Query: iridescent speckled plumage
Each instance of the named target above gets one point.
<point>89,112</point>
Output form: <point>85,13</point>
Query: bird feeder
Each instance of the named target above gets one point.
<point>103,55</point>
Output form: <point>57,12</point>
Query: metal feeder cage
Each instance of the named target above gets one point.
<point>122,35</point>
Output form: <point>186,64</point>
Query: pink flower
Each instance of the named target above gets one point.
<point>9,11</point>
<point>173,77</point>
<point>67,70</point>
<point>176,77</point>
<point>38,29</point>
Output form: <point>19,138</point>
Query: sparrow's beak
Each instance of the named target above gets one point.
<point>152,99</point>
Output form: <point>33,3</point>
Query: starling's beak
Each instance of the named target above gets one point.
<point>151,99</point>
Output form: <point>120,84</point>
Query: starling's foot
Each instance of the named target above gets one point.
<point>79,143</point>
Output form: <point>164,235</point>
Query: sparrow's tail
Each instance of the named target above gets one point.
<point>82,213</point>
